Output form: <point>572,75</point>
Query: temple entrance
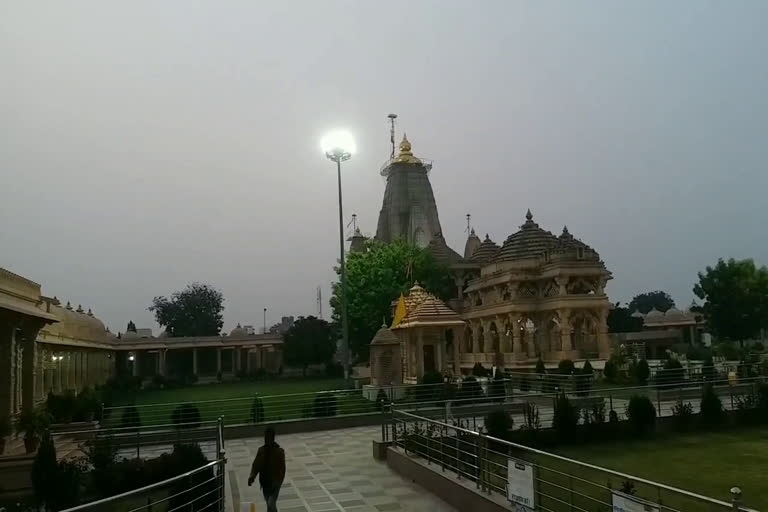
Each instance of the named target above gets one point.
<point>429,358</point>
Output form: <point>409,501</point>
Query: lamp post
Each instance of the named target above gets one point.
<point>265,320</point>
<point>338,147</point>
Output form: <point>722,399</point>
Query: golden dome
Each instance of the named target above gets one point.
<point>406,155</point>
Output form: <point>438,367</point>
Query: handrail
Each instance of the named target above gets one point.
<point>150,487</point>
<point>572,461</point>
<point>142,428</point>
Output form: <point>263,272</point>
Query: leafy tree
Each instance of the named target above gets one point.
<point>194,311</point>
<point>645,302</point>
<point>735,295</point>
<point>620,319</point>
<point>309,341</point>
<point>378,276</point>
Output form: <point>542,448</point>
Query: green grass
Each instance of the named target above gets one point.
<point>705,463</point>
<point>233,400</point>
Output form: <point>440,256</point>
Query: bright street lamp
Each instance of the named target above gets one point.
<point>338,146</point>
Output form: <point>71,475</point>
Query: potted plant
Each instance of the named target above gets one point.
<point>32,422</point>
<point>5,431</point>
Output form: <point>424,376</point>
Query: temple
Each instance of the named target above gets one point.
<point>535,296</point>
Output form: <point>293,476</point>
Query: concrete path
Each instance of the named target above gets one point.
<point>328,471</point>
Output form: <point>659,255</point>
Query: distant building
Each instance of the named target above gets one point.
<point>286,323</point>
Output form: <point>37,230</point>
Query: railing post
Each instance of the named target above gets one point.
<point>658,400</point>
<point>138,444</point>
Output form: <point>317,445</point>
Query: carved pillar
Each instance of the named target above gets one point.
<point>475,326</point>
<point>29,368</point>
<point>562,283</point>
<point>504,334</point>
<point>7,351</point>
<point>487,338</point>
<point>458,342</point>
<point>600,286</point>
<point>565,331</point>
<point>517,343</point>
<point>459,280</point>
<point>194,361</point>
<point>530,328</point>
<point>603,340</point>
<point>234,360</point>
<point>419,354</point>
<point>218,360</point>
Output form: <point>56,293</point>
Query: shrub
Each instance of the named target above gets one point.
<point>531,417</point>
<point>219,376</point>
<point>498,390</point>
<point>641,371</point>
<point>611,371</point>
<point>43,472</point>
<point>324,405</point>
<point>131,418</point>
<point>87,405</point>
<point>431,388</point>
<point>196,492</point>
<point>641,414</point>
<point>62,407</point>
<point>613,417</point>
<point>68,483</point>
<point>584,379</point>
<point>33,423</point>
<point>540,368</point>
<point>479,370</point>
<point>334,369</point>
<point>257,410</point>
<point>758,347</point>
<point>101,453</point>
<point>587,370</point>
<point>672,373</point>
<point>470,389</point>
<point>566,418</point>
<point>499,423</point>
<point>595,415</point>
<point>186,416</point>
<point>682,412</point>
<point>712,413</point>
<point>566,367</point>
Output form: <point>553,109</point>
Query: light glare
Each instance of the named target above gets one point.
<point>338,142</point>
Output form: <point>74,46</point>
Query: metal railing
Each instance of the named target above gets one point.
<point>518,388</point>
<point>199,490</point>
<point>153,440</point>
<point>534,478</point>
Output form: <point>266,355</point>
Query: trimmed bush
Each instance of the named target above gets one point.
<point>131,418</point>
<point>611,371</point>
<point>432,388</point>
<point>62,407</point>
<point>641,371</point>
<point>531,417</point>
<point>186,416</point>
<point>499,423</point>
<point>708,371</point>
<point>479,370</point>
<point>498,389</point>
<point>566,367</point>
<point>594,415</point>
<point>257,410</point>
<point>87,405</point>
<point>43,473</point>
<point>324,405</point>
<point>712,413</point>
<point>613,417</point>
<point>334,369</point>
<point>540,368</point>
<point>641,415</point>
<point>566,418</point>
<point>101,453</point>
<point>672,373</point>
<point>584,379</point>
<point>525,383</point>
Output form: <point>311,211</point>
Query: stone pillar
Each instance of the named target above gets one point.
<point>442,356</point>
<point>234,360</point>
<point>565,331</point>
<point>218,360</point>
<point>504,336</point>
<point>487,338</point>
<point>135,368</point>
<point>29,369</point>
<point>458,341</point>
<point>194,361</point>
<point>562,283</point>
<point>7,351</point>
<point>529,333</point>
<point>419,354</point>
<point>603,340</point>
<point>248,361</point>
<point>517,342</point>
<point>161,356</point>
<point>475,326</point>
<point>459,281</point>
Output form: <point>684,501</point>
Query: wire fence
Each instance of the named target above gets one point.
<point>532,479</point>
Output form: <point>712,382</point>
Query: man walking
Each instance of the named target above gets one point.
<point>269,465</point>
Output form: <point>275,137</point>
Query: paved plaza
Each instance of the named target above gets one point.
<point>328,471</point>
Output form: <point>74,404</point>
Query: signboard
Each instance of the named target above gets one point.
<point>520,484</point>
<point>625,503</point>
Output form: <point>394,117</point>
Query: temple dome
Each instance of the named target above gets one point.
<point>529,242</point>
<point>78,326</point>
<point>486,251</point>
<point>385,336</point>
<point>654,314</point>
<point>238,331</point>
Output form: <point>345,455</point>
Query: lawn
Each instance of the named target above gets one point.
<point>282,399</point>
<point>707,463</point>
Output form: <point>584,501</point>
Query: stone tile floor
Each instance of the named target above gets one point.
<point>328,471</point>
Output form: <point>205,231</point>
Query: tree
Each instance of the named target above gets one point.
<point>194,311</point>
<point>647,301</point>
<point>377,277</point>
<point>620,319</point>
<point>131,327</point>
<point>735,295</point>
<point>309,341</point>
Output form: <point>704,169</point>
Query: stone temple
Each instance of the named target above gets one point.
<point>534,296</point>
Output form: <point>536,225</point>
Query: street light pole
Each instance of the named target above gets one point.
<point>265,320</point>
<point>338,147</point>
<point>343,275</point>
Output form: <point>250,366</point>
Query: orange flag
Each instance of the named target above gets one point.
<point>400,311</point>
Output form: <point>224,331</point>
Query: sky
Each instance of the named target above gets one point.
<point>145,145</point>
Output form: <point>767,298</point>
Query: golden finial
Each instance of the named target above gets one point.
<point>406,155</point>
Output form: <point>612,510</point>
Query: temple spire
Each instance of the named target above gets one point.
<point>406,155</point>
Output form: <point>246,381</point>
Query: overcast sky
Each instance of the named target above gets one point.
<point>144,144</point>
